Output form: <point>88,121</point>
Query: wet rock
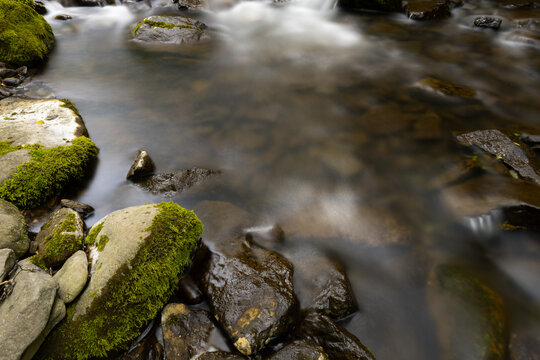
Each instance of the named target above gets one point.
<point>13,232</point>
<point>337,342</point>
<point>266,236</point>
<point>11,82</point>
<point>445,88</point>
<point>192,4</point>
<point>384,5</point>
<point>148,349</point>
<point>23,70</point>
<point>222,220</point>
<point>521,218</point>
<point>83,209</point>
<point>188,291</point>
<point>142,166</point>
<point>4,93</point>
<point>7,260</point>
<point>137,255</point>
<point>72,277</point>
<point>220,355</point>
<point>525,347</point>
<point>250,291</point>
<point>24,314</point>
<point>170,30</point>
<point>187,333</point>
<point>470,317</point>
<point>63,17</point>
<point>488,22</point>
<point>59,238</point>
<point>300,350</point>
<point>533,141</point>
<point>427,10</point>
<point>172,183</point>
<point>508,149</point>
<point>40,8</point>
<point>7,73</point>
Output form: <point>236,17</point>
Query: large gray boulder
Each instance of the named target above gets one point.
<point>170,30</point>
<point>13,232</point>
<point>7,260</point>
<point>24,314</point>
<point>72,277</point>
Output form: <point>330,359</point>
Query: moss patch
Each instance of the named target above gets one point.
<point>162,24</point>
<point>92,236</point>
<point>25,37</point>
<point>103,240</point>
<point>5,147</point>
<point>47,172</point>
<point>134,295</point>
<point>70,105</point>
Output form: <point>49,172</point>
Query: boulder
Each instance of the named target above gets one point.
<point>72,277</point>
<point>7,260</point>
<point>507,148</point>
<point>137,255</point>
<point>300,350</point>
<point>143,165</point>
<point>380,5</point>
<point>180,30</point>
<point>427,10</point>
<point>59,238</point>
<point>25,36</point>
<point>187,332</point>
<point>13,232</point>
<point>337,342</point>
<point>470,317</point>
<point>24,314</point>
<point>83,209</point>
<point>172,183</point>
<point>43,148</point>
<point>250,292</point>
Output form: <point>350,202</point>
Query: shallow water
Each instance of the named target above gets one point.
<point>279,100</point>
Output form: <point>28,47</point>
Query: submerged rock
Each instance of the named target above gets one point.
<point>143,165</point>
<point>470,317</point>
<point>300,350</point>
<point>169,184</point>
<point>488,22</point>
<point>60,237</point>
<point>337,342</point>
<point>250,291</point>
<point>427,10</point>
<point>13,232</point>
<point>24,314</point>
<point>83,209</point>
<point>170,30</point>
<point>137,255</point>
<point>7,261</point>
<point>445,88</point>
<point>72,277</point>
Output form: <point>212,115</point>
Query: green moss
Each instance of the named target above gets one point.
<point>103,240</point>
<point>47,172</point>
<point>162,24</point>
<point>5,147</point>
<point>38,261</point>
<point>25,36</point>
<point>92,236</point>
<point>134,295</point>
<point>70,105</point>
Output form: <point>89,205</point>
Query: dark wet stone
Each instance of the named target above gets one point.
<point>445,88</point>
<point>470,317</point>
<point>336,341</point>
<point>63,17</point>
<point>7,73</point>
<point>83,209</point>
<point>148,349</point>
<point>488,22</point>
<point>509,149</point>
<point>4,92</point>
<point>525,347</point>
<point>250,291</point>
<point>40,8</point>
<point>192,4</point>
<point>427,10</point>
<point>220,355</point>
<point>521,218</point>
<point>187,332</point>
<point>170,30</point>
<point>266,236</point>
<point>532,140</point>
<point>90,3</point>
<point>172,183</point>
<point>11,81</point>
<point>381,5</point>
<point>188,291</point>
<point>300,350</point>
<point>142,166</point>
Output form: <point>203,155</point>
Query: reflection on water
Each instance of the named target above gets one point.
<point>313,118</point>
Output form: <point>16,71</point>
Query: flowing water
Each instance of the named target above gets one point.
<point>313,118</point>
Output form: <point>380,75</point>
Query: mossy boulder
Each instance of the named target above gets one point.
<point>470,316</point>
<point>170,30</point>
<point>25,36</point>
<point>133,274</point>
<point>60,237</point>
<point>379,5</point>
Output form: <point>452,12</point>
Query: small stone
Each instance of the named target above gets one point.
<point>72,277</point>
<point>11,81</point>
<point>300,350</point>
<point>7,73</point>
<point>7,261</point>
<point>427,10</point>
<point>488,22</point>
<point>63,17</point>
<point>83,209</point>
<point>4,93</point>
<point>13,232</point>
<point>142,166</point>
<point>170,30</point>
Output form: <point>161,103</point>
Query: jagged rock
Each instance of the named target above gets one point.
<point>7,260</point>
<point>187,332</point>
<point>508,149</point>
<point>300,350</point>
<point>24,314</point>
<point>488,22</point>
<point>59,238</point>
<point>170,30</point>
<point>337,342</point>
<point>445,88</point>
<point>470,316</point>
<point>427,10</point>
<point>72,277</point>
<point>143,165</point>
<point>172,183</point>
<point>83,209</point>
<point>13,233</point>
<point>250,291</point>
<point>137,255</point>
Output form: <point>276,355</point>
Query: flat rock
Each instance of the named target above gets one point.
<point>510,150</point>
<point>7,260</point>
<point>445,88</point>
<point>170,30</point>
<point>172,183</point>
<point>488,22</point>
<point>84,210</point>
<point>427,10</point>
<point>72,277</point>
<point>143,165</point>
<point>13,232</point>
<point>336,341</point>
<point>300,350</point>
<point>24,314</point>
<point>250,291</point>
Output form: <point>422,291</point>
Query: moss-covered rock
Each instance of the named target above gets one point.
<point>137,270</point>
<point>170,30</point>
<point>470,316</point>
<point>25,36</point>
